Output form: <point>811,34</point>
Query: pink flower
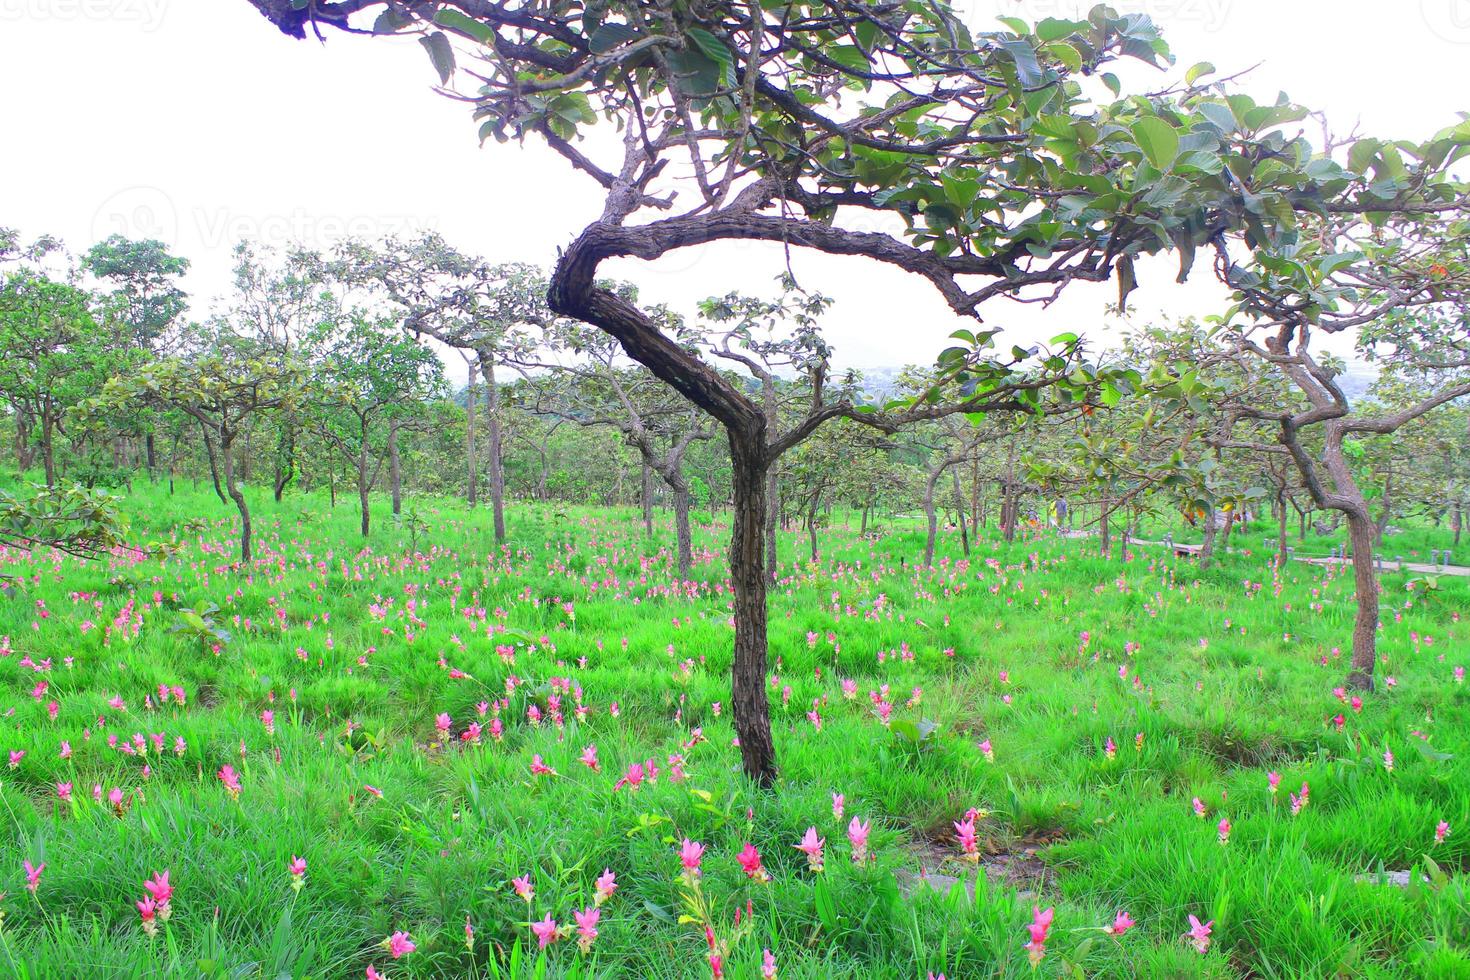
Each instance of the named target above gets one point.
<point>159,888</point>
<point>1199,808</point>
<point>857,836</point>
<point>1298,803</point>
<point>839,802</point>
<point>768,965</point>
<point>1441,832</point>
<point>987,751</point>
<point>297,867</point>
<point>589,758</point>
<point>1388,760</point>
<point>606,884</point>
<point>15,756</point>
<point>373,974</point>
<point>965,832</point>
<point>1039,927</point>
<point>633,779</point>
<point>63,792</point>
<point>33,875</point>
<point>1121,924</point>
<point>1199,934</point>
<point>811,846</point>
<point>539,768</point>
<point>1273,781</point>
<point>147,913</point>
<point>690,854</point>
<point>546,931</point>
<point>523,887</point>
<point>399,945</point>
<point>586,926</point>
<point>750,863</point>
<point>231,780</point>
<point>442,723</point>
<point>1224,830</point>
<point>1110,748</point>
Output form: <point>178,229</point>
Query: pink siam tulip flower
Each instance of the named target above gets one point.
<point>1441,832</point>
<point>690,854</point>
<point>1224,830</point>
<point>750,863</point>
<point>161,891</point>
<point>1038,929</point>
<point>811,846</point>
<point>1110,748</point>
<point>147,915</point>
<point>1199,934</point>
<point>965,834</point>
<point>33,875</point>
<point>606,884</point>
<point>588,758</point>
<point>633,779</point>
<point>231,780</point>
<point>469,935</point>
<point>547,931</point>
<point>1121,924</point>
<point>857,835</point>
<point>297,867</point>
<point>768,965</point>
<point>1199,807</point>
<point>1388,760</point>
<point>373,974</point>
<point>987,751</point>
<point>63,792</point>
<point>586,926</point>
<point>539,768</point>
<point>442,723</point>
<point>1299,803</point>
<point>839,803</point>
<point>523,887</point>
<point>399,945</point>
<point>1273,781</point>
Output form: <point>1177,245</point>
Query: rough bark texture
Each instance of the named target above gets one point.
<point>493,447</point>
<point>1363,535</point>
<point>747,576</point>
<point>472,397</point>
<point>227,453</point>
<point>395,469</point>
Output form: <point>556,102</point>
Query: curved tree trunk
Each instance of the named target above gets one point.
<point>1207,548</point>
<point>1281,529</point>
<point>959,510</point>
<point>233,488</point>
<point>210,454</point>
<point>931,517</point>
<point>362,481</point>
<point>681,530</point>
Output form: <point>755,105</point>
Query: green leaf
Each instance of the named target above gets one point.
<point>1158,140</point>
<point>1028,69</point>
<point>1198,71</point>
<point>458,21</point>
<point>440,53</point>
<point>712,46</point>
<point>610,36</point>
<point>1112,82</point>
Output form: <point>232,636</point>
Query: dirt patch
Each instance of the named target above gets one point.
<point>1017,865</point>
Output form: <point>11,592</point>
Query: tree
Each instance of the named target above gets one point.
<point>1000,156</point>
<point>368,378</point>
<point>228,382</point>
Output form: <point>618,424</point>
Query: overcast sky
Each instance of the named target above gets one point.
<point>196,122</point>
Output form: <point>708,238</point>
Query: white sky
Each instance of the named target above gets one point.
<point>196,122</point>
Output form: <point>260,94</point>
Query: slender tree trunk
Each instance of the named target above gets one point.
<point>48,449</point>
<point>647,495</point>
<point>1225,531</point>
<point>772,520</point>
<point>471,405</point>
<point>681,530</point>
<point>210,454</point>
<point>1207,549</point>
<point>866,508</point>
<point>1302,531</point>
<point>1457,520</point>
<point>748,569</point>
<point>492,433</point>
<point>395,469</point>
<point>150,453</point>
<point>811,521</point>
<point>959,510</point>
<point>1105,527</point>
<point>362,478</point>
<point>931,517</point>
<point>1386,511</point>
<point>1363,534</point>
<point>233,488</point>
<point>1281,529</point>
<point>285,459</point>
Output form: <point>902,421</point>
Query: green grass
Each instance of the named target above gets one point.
<point>1230,685</point>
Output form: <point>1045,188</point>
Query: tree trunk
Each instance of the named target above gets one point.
<point>150,453</point>
<point>681,530</point>
<point>1207,549</point>
<point>748,578</point>
<point>395,469</point>
<point>1105,527</point>
<point>210,454</point>
<point>647,495</point>
<point>1302,531</point>
<point>233,488</point>
<point>1457,520</point>
<point>773,515</point>
<point>1225,531</point>
<point>1381,525</point>
<point>362,478</point>
<point>959,510</point>
<point>931,517</point>
<point>1363,534</point>
<point>492,433</point>
<point>1281,529</point>
<point>866,508</point>
<point>471,400</point>
<point>811,521</point>
<point>48,449</point>
<point>285,459</point>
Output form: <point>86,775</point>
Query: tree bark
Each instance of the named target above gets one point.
<point>227,440</point>
<point>959,510</point>
<point>1281,529</point>
<point>1363,534</point>
<point>748,579</point>
<point>362,478</point>
<point>681,531</point>
<point>471,400</point>
<point>646,493</point>
<point>493,449</point>
<point>773,520</point>
<point>395,468</point>
<point>930,516</point>
<point>1207,549</point>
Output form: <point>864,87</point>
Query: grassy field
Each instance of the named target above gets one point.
<point>413,719</point>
